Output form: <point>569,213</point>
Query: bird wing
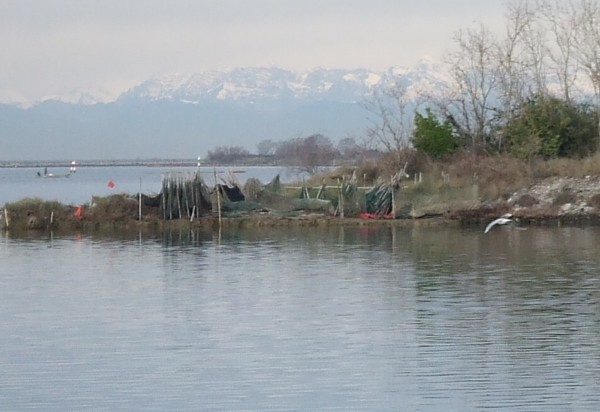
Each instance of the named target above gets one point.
<point>491,225</point>
<point>500,221</point>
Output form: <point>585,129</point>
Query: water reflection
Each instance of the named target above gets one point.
<point>528,299</point>
<point>302,319</point>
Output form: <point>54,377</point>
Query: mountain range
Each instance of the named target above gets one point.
<point>184,116</point>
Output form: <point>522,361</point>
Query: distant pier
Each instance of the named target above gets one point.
<point>101,163</point>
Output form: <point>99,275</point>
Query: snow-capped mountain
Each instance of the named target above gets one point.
<point>252,84</point>
<point>257,84</point>
<point>187,115</point>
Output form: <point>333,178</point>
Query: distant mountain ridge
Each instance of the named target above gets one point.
<point>261,83</point>
<point>184,116</point>
<point>252,84</point>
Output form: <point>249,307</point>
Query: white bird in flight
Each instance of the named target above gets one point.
<point>502,220</point>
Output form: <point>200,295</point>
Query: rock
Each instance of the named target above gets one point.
<point>564,195</point>
<point>526,200</point>
<point>595,201</point>
<point>566,208</point>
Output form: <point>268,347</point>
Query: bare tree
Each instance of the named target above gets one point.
<point>535,59</point>
<point>227,154</point>
<point>475,76</point>
<point>349,149</point>
<point>587,18</point>
<point>393,110</point>
<point>266,147</point>
<point>510,51</point>
<point>307,154</point>
<point>559,17</point>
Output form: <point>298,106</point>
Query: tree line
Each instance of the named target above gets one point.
<point>304,153</point>
<point>533,91</point>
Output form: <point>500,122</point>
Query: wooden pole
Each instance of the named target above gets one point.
<point>179,187</point>
<point>393,198</point>
<point>140,201</point>
<point>164,197</point>
<point>218,199</point>
<point>342,198</point>
<point>6,218</point>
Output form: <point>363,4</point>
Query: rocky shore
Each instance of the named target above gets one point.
<point>551,201</point>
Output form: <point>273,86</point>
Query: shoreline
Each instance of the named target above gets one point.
<point>552,202</point>
<point>256,222</point>
<point>127,162</point>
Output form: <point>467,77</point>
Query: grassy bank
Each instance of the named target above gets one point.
<point>119,213</point>
<point>464,190</point>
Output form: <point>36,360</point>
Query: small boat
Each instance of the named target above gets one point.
<point>46,174</point>
<point>49,175</point>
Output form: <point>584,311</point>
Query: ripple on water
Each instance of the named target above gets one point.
<point>385,320</point>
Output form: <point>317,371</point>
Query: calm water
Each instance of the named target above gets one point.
<point>308,319</point>
<point>19,183</point>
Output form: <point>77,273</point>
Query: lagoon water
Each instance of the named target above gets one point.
<point>365,319</point>
<point>19,183</point>
<point>328,319</point>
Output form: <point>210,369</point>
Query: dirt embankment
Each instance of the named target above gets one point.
<point>554,200</point>
<point>558,200</point>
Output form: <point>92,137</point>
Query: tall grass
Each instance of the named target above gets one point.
<point>497,176</point>
<point>36,206</point>
<point>566,167</point>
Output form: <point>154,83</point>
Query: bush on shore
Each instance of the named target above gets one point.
<point>462,181</point>
<point>497,175</point>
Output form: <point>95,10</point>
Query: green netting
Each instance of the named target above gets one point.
<point>274,186</point>
<point>252,188</point>
<point>379,199</point>
<point>183,195</point>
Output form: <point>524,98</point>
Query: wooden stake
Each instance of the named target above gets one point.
<point>140,201</point>
<point>218,200</point>
<point>393,198</point>
<point>342,198</point>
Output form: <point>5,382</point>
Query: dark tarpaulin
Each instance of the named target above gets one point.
<point>233,194</point>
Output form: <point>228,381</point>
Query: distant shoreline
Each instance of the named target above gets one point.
<point>121,163</point>
<point>96,163</point>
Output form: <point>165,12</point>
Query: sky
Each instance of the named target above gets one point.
<point>52,48</point>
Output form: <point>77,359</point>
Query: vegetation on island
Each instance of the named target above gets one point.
<point>517,109</point>
<point>532,93</point>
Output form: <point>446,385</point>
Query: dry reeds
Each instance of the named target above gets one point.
<point>34,213</point>
<point>119,207</point>
<point>566,167</point>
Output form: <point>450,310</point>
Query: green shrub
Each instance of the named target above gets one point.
<point>432,137</point>
<point>550,127</point>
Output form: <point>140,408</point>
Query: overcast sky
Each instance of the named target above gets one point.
<point>57,47</point>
